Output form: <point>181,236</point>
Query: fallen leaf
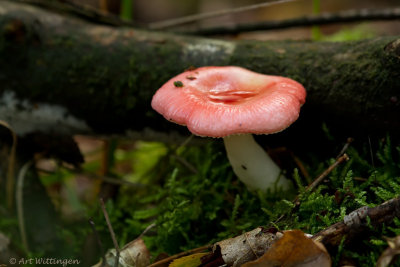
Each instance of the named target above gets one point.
<point>246,247</point>
<point>294,249</point>
<point>133,254</point>
<point>188,261</point>
<point>388,254</point>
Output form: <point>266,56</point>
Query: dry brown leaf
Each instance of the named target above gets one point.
<point>388,254</point>
<point>294,249</point>
<point>133,254</point>
<point>246,247</point>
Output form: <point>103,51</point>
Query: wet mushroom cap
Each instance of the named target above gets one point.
<point>220,101</point>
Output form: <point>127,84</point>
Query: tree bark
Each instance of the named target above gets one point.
<point>60,74</point>
<point>356,223</point>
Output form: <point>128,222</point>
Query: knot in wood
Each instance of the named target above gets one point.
<point>355,217</point>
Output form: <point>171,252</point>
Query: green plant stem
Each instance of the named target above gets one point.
<point>20,203</point>
<point>315,30</point>
<point>126,9</point>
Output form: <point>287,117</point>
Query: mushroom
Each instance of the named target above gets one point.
<point>234,103</point>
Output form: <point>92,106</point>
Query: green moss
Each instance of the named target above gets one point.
<point>205,203</point>
<point>194,209</point>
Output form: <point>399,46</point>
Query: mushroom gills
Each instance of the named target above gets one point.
<point>252,164</point>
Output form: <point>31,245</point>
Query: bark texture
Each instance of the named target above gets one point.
<point>99,79</point>
<point>357,223</point>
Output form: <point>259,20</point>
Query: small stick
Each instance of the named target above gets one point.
<point>148,228</point>
<point>192,18</point>
<point>111,231</point>
<point>355,222</point>
<point>372,156</point>
<point>345,147</point>
<point>301,167</point>
<point>318,180</point>
<point>327,171</point>
<point>185,142</point>
<point>179,255</point>
<point>185,163</point>
<point>346,16</point>
<point>98,240</point>
<point>322,176</point>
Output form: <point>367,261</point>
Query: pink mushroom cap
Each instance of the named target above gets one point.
<point>221,101</point>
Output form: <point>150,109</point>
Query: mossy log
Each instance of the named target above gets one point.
<point>60,74</point>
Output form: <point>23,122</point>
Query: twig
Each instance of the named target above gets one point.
<point>182,254</point>
<point>321,19</point>
<point>372,156</point>
<point>314,184</point>
<point>185,163</point>
<point>345,147</point>
<point>187,19</point>
<point>356,221</point>
<point>301,167</point>
<point>322,176</point>
<point>148,228</point>
<point>185,142</point>
<point>19,199</point>
<point>98,240</point>
<point>111,231</point>
<point>11,165</point>
<point>326,172</point>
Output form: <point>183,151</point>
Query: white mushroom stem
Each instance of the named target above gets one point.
<point>252,164</point>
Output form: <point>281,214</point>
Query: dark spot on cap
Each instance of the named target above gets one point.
<point>190,77</point>
<point>244,167</point>
<point>178,84</point>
